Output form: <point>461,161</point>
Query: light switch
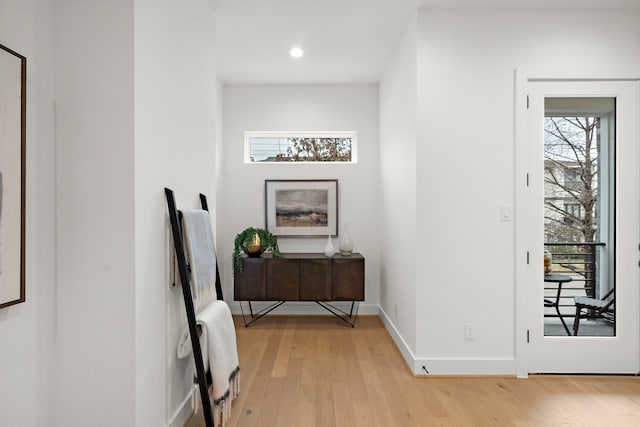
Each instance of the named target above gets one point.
<point>506,213</point>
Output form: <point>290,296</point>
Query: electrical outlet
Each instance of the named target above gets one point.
<point>469,331</point>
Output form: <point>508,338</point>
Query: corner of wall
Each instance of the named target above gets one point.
<point>406,352</point>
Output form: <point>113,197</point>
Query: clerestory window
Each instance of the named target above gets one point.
<point>304,147</point>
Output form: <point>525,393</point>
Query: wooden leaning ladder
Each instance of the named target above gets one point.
<point>183,269</point>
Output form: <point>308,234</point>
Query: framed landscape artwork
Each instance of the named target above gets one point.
<point>302,208</point>
<point>12,176</point>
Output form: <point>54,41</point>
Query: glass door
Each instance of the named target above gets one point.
<point>584,185</point>
<point>579,216</point>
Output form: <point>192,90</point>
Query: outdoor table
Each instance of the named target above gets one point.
<point>559,279</point>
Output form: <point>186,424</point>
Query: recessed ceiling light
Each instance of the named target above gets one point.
<point>296,52</point>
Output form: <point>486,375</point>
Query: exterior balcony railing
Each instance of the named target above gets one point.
<point>582,262</point>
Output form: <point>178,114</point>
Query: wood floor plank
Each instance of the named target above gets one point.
<point>258,376</point>
<point>363,414</point>
<point>325,412</point>
<point>268,413</point>
<point>393,395</point>
<point>339,355</point>
<point>366,349</point>
<point>411,396</point>
<point>306,412</point>
<point>343,415</point>
<point>284,350</point>
<point>291,388</point>
<point>309,371</point>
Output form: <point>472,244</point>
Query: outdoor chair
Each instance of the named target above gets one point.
<point>594,308</point>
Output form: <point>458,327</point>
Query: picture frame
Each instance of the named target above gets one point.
<point>13,108</point>
<point>302,207</point>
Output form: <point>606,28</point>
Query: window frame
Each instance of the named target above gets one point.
<point>248,135</point>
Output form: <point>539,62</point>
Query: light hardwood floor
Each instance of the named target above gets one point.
<point>314,371</point>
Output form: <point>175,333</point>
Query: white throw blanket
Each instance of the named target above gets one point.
<point>218,342</point>
<point>201,255</point>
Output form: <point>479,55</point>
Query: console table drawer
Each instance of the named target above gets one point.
<point>251,284</point>
<point>283,279</point>
<point>315,280</point>
<point>348,279</point>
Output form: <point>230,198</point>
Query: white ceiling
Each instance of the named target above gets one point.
<point>345,41</point>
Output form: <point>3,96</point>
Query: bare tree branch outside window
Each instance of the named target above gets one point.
<point>300,146</point>
<point>571,159</point>
<point>317,150</point>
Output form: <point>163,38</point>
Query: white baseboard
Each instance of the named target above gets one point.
<point>447,366</point>
<point>406,352</point>
<point>184,411</point>
<point>465,366</point>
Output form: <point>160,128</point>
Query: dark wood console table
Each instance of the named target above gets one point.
<point>301,277</point>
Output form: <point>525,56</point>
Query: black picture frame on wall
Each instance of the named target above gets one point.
<point>13,109</point>
<point>301,207</point>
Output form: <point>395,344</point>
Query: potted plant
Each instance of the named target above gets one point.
<point>253,242</point>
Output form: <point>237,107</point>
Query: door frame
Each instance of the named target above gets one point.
<point>521,197</point>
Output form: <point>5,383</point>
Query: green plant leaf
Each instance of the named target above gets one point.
<point>268,241</point>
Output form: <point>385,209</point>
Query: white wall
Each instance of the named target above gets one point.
<point>175,147</point>
<point>136,113</point>
<point>95,268</point>
<point>314,108</point>
<point>400,249</point>
<point>94,343</point>
<point>27,330</point>
<point>466,64</point>
<point>213,204</point>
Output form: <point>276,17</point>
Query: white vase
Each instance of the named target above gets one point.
<point>346,245</point>
<point>329,250</point>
